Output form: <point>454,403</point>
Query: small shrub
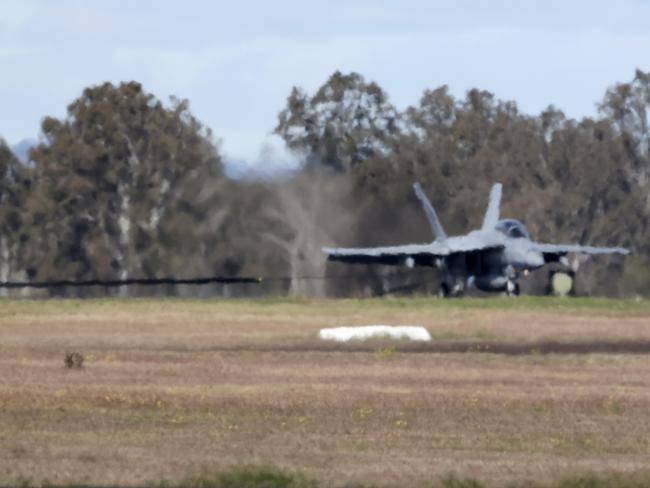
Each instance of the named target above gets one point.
<point>256,477</point>
<point>73,360</point>
<point>453,482</point>
<point>613,481</point>
<point>384,352</point>
<point>250,477</point>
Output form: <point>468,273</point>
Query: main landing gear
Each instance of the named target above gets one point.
<point>443,292</point>
<point>446,290</point>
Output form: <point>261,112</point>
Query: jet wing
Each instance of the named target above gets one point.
<point>551,250</point>
<point>409,254</point>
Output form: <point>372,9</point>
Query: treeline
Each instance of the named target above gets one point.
<point>126,186</point>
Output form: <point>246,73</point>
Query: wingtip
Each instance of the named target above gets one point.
<point>620,250</point>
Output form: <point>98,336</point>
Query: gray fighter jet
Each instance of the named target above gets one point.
<point>491,258</point>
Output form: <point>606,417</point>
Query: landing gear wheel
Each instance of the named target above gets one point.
<point>443,292</point>
<point>512,289</point>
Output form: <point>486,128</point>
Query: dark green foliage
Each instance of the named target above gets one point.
<point>252,476</point>
<point>614,481</point>
<point>592,481</point>
<point>255,477</point>
<point>453,482</point>
<point>127,186</point>
<point>346,122</point>
<point>247,477</point>
<point>571,181</point>
<point>15,183</point>
<point>117,178</point>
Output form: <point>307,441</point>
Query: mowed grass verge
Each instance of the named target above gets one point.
<point>172,388</point>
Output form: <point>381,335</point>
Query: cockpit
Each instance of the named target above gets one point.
<point>512,228</point>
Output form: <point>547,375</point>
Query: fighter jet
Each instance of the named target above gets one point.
<point>492,258</point>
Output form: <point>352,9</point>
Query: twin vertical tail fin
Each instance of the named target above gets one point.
<point>492,213</point>
<point>489,221</point>
<point>432,217</point>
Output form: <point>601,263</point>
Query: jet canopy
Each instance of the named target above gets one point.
<point>512,228</point>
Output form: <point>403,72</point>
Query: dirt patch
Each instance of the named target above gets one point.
<point>170,390</point>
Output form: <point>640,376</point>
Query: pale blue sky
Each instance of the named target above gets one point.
<point>237,61</point>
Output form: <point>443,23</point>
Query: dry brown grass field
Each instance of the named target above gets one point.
<point>508,390</point>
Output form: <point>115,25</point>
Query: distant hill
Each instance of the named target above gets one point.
<point>240,169</point>
<point>21,149</point>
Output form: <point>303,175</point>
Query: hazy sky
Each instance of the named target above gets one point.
<point>237,61</point>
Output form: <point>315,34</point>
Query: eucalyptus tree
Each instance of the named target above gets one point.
<point>627,106</point>
<point>124,185</point>
<point>346,122</point>
<point>15,181</point>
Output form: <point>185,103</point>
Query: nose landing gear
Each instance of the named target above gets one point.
<point>512,288</point>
